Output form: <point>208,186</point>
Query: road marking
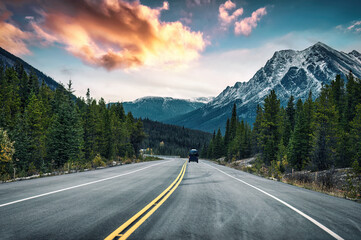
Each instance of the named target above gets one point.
<point>120,232</point>
<point>323,227</point>
<point>77,186</point>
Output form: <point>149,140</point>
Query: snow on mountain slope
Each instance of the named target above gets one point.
<point>162,108</point>
<point>288,72</point>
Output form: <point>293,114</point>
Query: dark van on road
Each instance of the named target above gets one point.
<point>193,155</point>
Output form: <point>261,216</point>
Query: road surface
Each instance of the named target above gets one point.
<point>206,201</point>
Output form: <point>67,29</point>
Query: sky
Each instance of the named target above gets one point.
<point>123,50</point>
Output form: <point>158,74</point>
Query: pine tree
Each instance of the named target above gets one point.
<point>233,123</point>
<point>137,136</point>
<point>24,92</point>
<point>338,95</point>
<point>22,143</point>
<point>338,99</point>
<point>33,84</point>
<point>355,136</point>
<point>351,99</point>
<point>289,121</point>
<point>325,131</point>
<point>270,134</point>
<point>101,128</point>
<point>308,108</point>
<point>218,150</point>
<point>35,125</point>
<point>210,153</point>
<point>257,130</point>
<point>120,131</point>
<point>227,136</point>
<point>46,96</point>
<point>109,137</point>
<point>66,133</point>
<point>3,93</point>
<point>298,147</point>
<point>11,102</point>
<point>89,130</point>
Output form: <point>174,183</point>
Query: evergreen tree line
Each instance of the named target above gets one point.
<point>315,134</point>
<point>48,129</point>
<point>236,143</point>
<point>164,139</point>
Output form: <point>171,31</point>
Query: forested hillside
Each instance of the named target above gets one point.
<point>314,134</point>
<point>10,60</point>
<point>42,130</point>
<point>173,140</point>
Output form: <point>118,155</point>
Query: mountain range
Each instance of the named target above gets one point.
<point>163,108</point>
<point>288,72</point>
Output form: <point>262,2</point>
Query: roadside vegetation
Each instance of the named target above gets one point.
<point>340,182</point>
<point>322,134</point>
<point>44,131</point>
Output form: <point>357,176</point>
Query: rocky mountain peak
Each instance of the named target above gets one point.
<point>288,72</point>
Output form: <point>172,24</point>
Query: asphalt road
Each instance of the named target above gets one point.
<point>211,202</point>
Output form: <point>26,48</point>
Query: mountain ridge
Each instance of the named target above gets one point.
<point>10,60</point>
<point>287,72</point>
<point>163,108</point>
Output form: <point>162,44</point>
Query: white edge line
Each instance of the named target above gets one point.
<point>81,185</point>
<point>323,227</point>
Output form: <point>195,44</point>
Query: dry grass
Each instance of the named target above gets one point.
<point>325,185</point>
<point>316,187</point>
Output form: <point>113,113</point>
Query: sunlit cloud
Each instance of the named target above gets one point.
<point>246,25</point>
<point>12,38</point>
<point>118,34</point>
<point>241,26</point>
<point>224,17</point>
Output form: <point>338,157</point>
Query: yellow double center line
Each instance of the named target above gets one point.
<point>124,231</point>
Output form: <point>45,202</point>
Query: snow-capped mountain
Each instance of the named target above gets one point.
<point>162,108</point>
<point>204,100</point>
<point>288,72</point>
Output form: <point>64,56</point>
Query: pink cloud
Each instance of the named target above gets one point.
<point>12,38</point>
<point>354,25</point>
<point>113,34</point>
<point>224,16</point>
<point>246,25</point>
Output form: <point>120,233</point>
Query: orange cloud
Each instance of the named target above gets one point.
<point>246,25</point>
<point>118,34</point>
<point>12,38</point>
